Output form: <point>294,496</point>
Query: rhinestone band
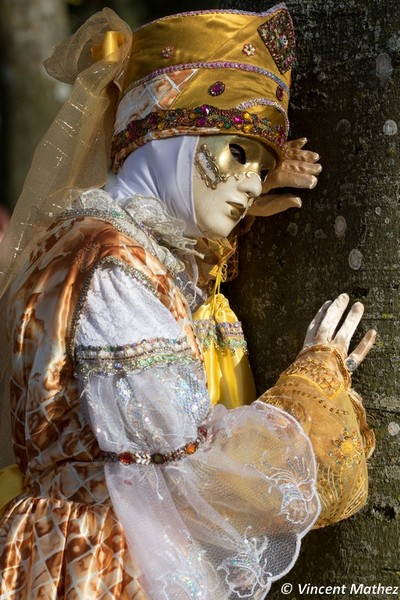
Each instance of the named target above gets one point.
<point>210,65</point>
<point>157,458</point>
<point>266,102</point>
<point>206,117</point>
<point>142,355</point>
<point>225,336</point>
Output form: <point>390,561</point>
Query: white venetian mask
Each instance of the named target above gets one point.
<point>228,176</point>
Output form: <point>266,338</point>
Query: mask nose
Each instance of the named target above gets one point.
<point>250,184</point>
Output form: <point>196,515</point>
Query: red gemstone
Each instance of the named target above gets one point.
<point>280,92</point>
<point>126,458</point>
<point>205,109</point>
<point>202,431</point>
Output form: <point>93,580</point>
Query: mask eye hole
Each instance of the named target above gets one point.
<point>264,174</point>
<point>238,153</point>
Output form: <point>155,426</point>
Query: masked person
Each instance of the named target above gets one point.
<point>135,485</point>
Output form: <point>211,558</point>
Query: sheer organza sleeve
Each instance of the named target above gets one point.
<point>316,390</point>
<point>213,502</point>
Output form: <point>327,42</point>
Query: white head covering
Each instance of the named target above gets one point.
<point>163,169</point>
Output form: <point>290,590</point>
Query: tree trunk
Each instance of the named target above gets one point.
<point>345,238</point>
<point>30,98</point>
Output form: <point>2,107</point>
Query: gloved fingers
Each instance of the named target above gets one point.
<point>307,156</point>
<point>271,204</point>
<point>330,322</point>
<point>300,166</point>
<point>297,143</point>
<point>315,324</point>
<point>363,348</point>
<point>283,179</point>
<point>345,333</point>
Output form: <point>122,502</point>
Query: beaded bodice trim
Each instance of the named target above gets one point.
<point>158,458</point>
<point>107,360</point>
<point>225,336</point>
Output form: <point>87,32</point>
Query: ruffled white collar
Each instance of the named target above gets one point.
<point>145,219</point>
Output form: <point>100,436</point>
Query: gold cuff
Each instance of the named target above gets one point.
<point>339,360</point>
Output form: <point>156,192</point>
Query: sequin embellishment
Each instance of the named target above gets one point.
<point>348,449</point>
<point>168,51</point>
<point>249,50</point>
<point>278,36</point>
<point>217,88</point>
<point>318,372</point>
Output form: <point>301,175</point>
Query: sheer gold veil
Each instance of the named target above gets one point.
<point>75,151</point>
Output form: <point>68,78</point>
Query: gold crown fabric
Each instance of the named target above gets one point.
<point>208,72</point>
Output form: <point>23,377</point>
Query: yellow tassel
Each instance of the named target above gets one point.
<point>229,377</point>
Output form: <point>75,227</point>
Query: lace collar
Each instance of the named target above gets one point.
<point>145,219</point>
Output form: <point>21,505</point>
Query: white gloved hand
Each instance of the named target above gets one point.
<point>323,331</point>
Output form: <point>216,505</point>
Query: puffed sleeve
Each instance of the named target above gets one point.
<point>316,390</point>
<point>129,344</point>
<point>213,502</point>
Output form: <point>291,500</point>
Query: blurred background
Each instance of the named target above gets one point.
<point>30,99</point>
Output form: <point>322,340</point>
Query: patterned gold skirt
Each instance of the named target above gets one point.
<point>54,548</point>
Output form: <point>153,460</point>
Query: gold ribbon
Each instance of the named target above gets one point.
<point>109,50</point>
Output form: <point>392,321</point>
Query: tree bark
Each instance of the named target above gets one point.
<point>345,100</point>
<point>30,98</point>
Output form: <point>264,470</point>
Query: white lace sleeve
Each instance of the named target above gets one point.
<point>129,347</point>
<point>213,502</point>
<point>120,310</point>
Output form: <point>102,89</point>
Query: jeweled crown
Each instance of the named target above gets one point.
<point>207,72</point>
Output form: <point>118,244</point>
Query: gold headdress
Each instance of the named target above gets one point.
<point>204,72</point>
<point>207,72</point>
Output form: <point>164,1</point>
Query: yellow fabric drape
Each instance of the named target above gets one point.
<point>11,485</point>
<point>229,377</point>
